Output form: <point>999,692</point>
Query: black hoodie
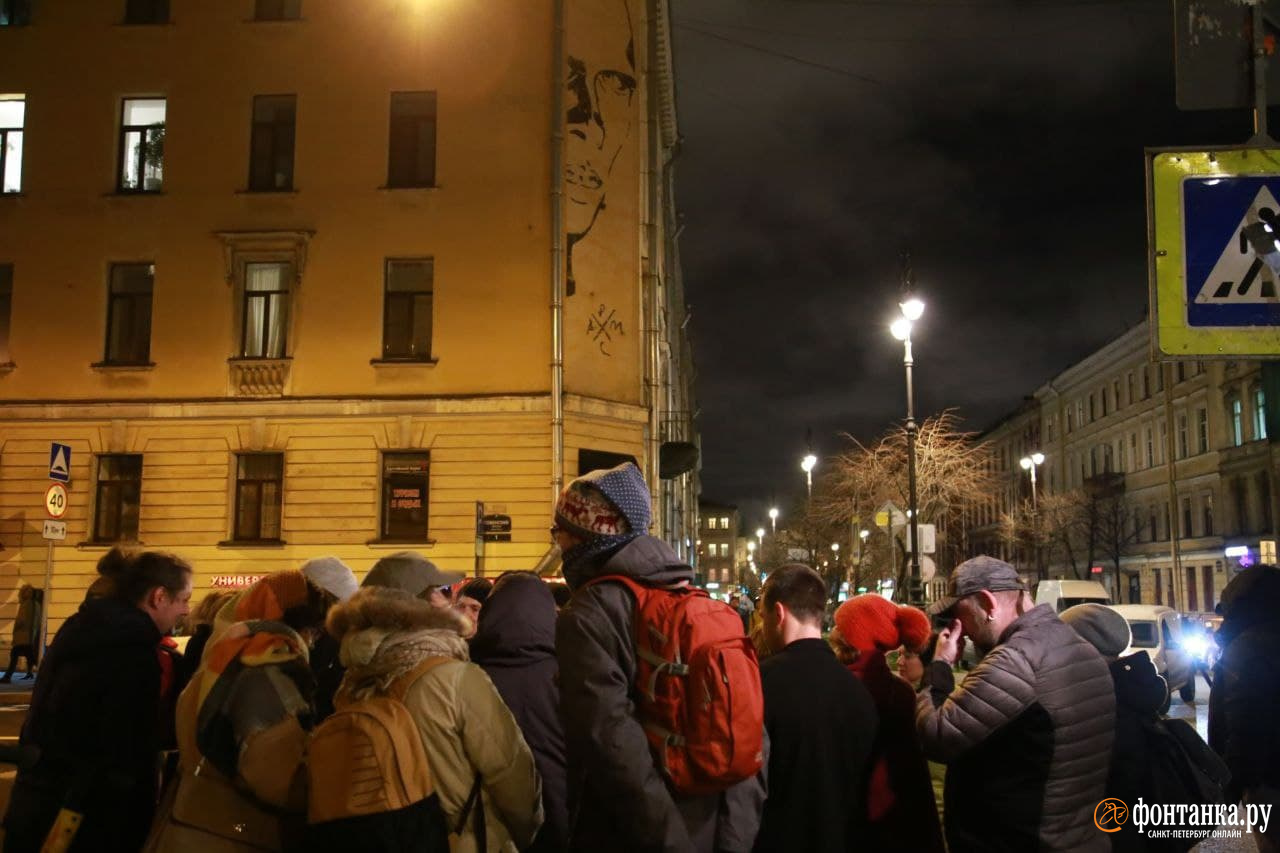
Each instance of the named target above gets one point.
<point>515,644</point>
<point>95,719</point>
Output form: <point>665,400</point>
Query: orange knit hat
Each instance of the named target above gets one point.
<point>272,596</point>
<point>871,621</point>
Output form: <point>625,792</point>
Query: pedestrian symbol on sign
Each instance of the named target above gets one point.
<point>1246,270</point>
<point>60,462</point>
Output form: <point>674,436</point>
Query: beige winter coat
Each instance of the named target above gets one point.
<point>465,726</point>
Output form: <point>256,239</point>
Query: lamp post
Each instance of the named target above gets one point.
<point>912,310</point>
<point>807,464</point>
<point>1030,463</point>
<point>760,539</point>
<point>773,519</point>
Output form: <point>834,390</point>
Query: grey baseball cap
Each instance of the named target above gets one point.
<point>975,575</point>
<point>410,572</point>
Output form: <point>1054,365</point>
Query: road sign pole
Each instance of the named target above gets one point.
<point>46,599</point>
<point>1260,136</point>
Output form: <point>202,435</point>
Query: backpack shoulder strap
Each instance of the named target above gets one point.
<point>401,685</point>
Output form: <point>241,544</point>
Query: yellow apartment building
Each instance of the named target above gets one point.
<point>306,277</point>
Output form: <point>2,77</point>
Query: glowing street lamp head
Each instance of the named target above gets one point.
<point>1025,462</point>
<point>808,463</point>
<point>1037,458</point>
<point>759,532</point>
<point>835,546</point>
<point>900,328</point>
<point>773,513</point>
<point>912,309</point>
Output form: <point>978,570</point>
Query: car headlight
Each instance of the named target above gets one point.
<point>1196,646</point>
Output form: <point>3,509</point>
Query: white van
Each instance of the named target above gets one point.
<point>1157,630</point>
<point>1063,594</point>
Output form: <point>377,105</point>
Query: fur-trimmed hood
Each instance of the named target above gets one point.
<point>386,632</point>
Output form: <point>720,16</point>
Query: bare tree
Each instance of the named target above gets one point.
<point>953,475</point>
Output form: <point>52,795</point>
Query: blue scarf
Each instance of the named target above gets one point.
<point>582,561</point>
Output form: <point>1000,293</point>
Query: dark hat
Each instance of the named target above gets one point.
<point>1099,626</point>
<point>975,575</point>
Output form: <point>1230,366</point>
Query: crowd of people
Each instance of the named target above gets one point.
<point>413,711</point>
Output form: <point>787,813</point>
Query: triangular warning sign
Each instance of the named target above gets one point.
<point>59,464</point>
<point>1240,277</point>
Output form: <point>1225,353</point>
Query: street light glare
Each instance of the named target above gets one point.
<point>912,309</point>
<point>808,463</point>
<point>1037,458</point>
<point>901,328</point>
<point>773,513</point>
<point>759,532</point>
<point>1025,462</point>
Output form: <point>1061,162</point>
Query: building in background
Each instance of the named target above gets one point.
<point>717,542</point>
<point>1166,472</point>
<point>301,278</point>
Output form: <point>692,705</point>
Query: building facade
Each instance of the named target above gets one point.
<point>717,542</point>
<point>301,278</point>
<point>1175,460</point>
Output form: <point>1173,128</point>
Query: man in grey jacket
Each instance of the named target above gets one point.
<point>618,799</point>
<point>1027,736</point>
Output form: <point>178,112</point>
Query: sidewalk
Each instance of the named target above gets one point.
<point>17,692</point>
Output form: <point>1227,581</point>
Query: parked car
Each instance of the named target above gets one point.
<point>1063,594</point>
<point>1157,630</point>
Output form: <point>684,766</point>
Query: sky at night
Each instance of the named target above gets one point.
<point>1001,142</point>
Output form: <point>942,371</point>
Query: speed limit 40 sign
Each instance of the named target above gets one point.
<point>55,500</point>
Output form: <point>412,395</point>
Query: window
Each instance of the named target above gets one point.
<point>277,10</point>
<point>406,313</point>
<point>1129,387</point>
<point>411,148</point>
<point>1187,532</point>
<point>6,311</point>
<point>266,310</point>
<point>13,116</point>
<point>1151,517</point>
<point>1159,378</point>
<point>259,495</point>
<point>1237,427</point>
<point>1119,455</point>
<point>1162,449</point>
<point>141,167</point>
<point>1080,412</point>
<point>1168,523</point>
<point>1202,429</point>
<point>1151,453</point>
<point>1264,498</point>
<point>1092,415</point>
<point>1069,422</point>
<point>1115,394</point>
<point>404,496</point>
<point>1259,414</point>
<point>1240,499</point>
<point>1182,372</point>
<point>1207,510</point>
<point>271,147</point>
<point>15,13</point>
<point>118,498</point>
<point>1146,383</point>
<point>1182,437</point>
<point>146,11</point>
<point>724,523</point>
<point>1133,451</point>
<point>129,314</point>
<point>1144,633</point>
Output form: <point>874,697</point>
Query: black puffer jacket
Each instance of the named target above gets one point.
<point>617,800</point>
<point>1140,694</point>
<point>95,719</point>
<point>516,645</point>
<point>1027,740</point>
<point>1246,684</point>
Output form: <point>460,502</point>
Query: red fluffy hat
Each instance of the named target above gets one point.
<point>871,621</point>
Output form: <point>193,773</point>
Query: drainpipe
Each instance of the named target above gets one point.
<point>557,251</point>
<point>651,282</point>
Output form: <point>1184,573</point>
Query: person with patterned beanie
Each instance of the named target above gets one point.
<point>618,799</point>
<point>901,810</point>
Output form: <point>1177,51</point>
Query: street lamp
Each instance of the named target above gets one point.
<point>1030,463</point>
<point>807,464</point>
<point>760,536</point>
<point>773,519</point>
<point>912,310</point>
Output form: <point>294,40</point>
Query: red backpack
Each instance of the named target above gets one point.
<point>697,687</point>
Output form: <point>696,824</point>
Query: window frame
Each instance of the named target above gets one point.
<point>14,10</point>
<point>1259,413</point>
<point>108,359</point>
<point>392,299</point>
<point>422,126</point>
<point>134,20</point>
<point>241,481</point>
<point>1235,416</point>
<point>266,183</point>
<point>5,133</point>
<point>146,131</point>
<point>385,485</point>
<point>102,486</point>
<point>288,280</point>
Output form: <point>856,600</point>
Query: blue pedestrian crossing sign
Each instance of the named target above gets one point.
<point>1214,232</point>
<point>60,462</point>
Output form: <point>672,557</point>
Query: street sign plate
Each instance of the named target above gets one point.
<point>54,530</point>
<point>60,462</point>
<point>55,500</point>
<point>1213,293</point>
<point>1213,52</point>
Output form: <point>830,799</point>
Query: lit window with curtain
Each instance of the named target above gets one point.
<point>266,310</point>
<point>1259,413</point>
<point>141,145</point>
<point>13,117</point>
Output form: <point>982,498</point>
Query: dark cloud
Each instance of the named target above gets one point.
<point>999,140</point>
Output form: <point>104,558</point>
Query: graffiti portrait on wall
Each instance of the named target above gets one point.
<point>601,85</point>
